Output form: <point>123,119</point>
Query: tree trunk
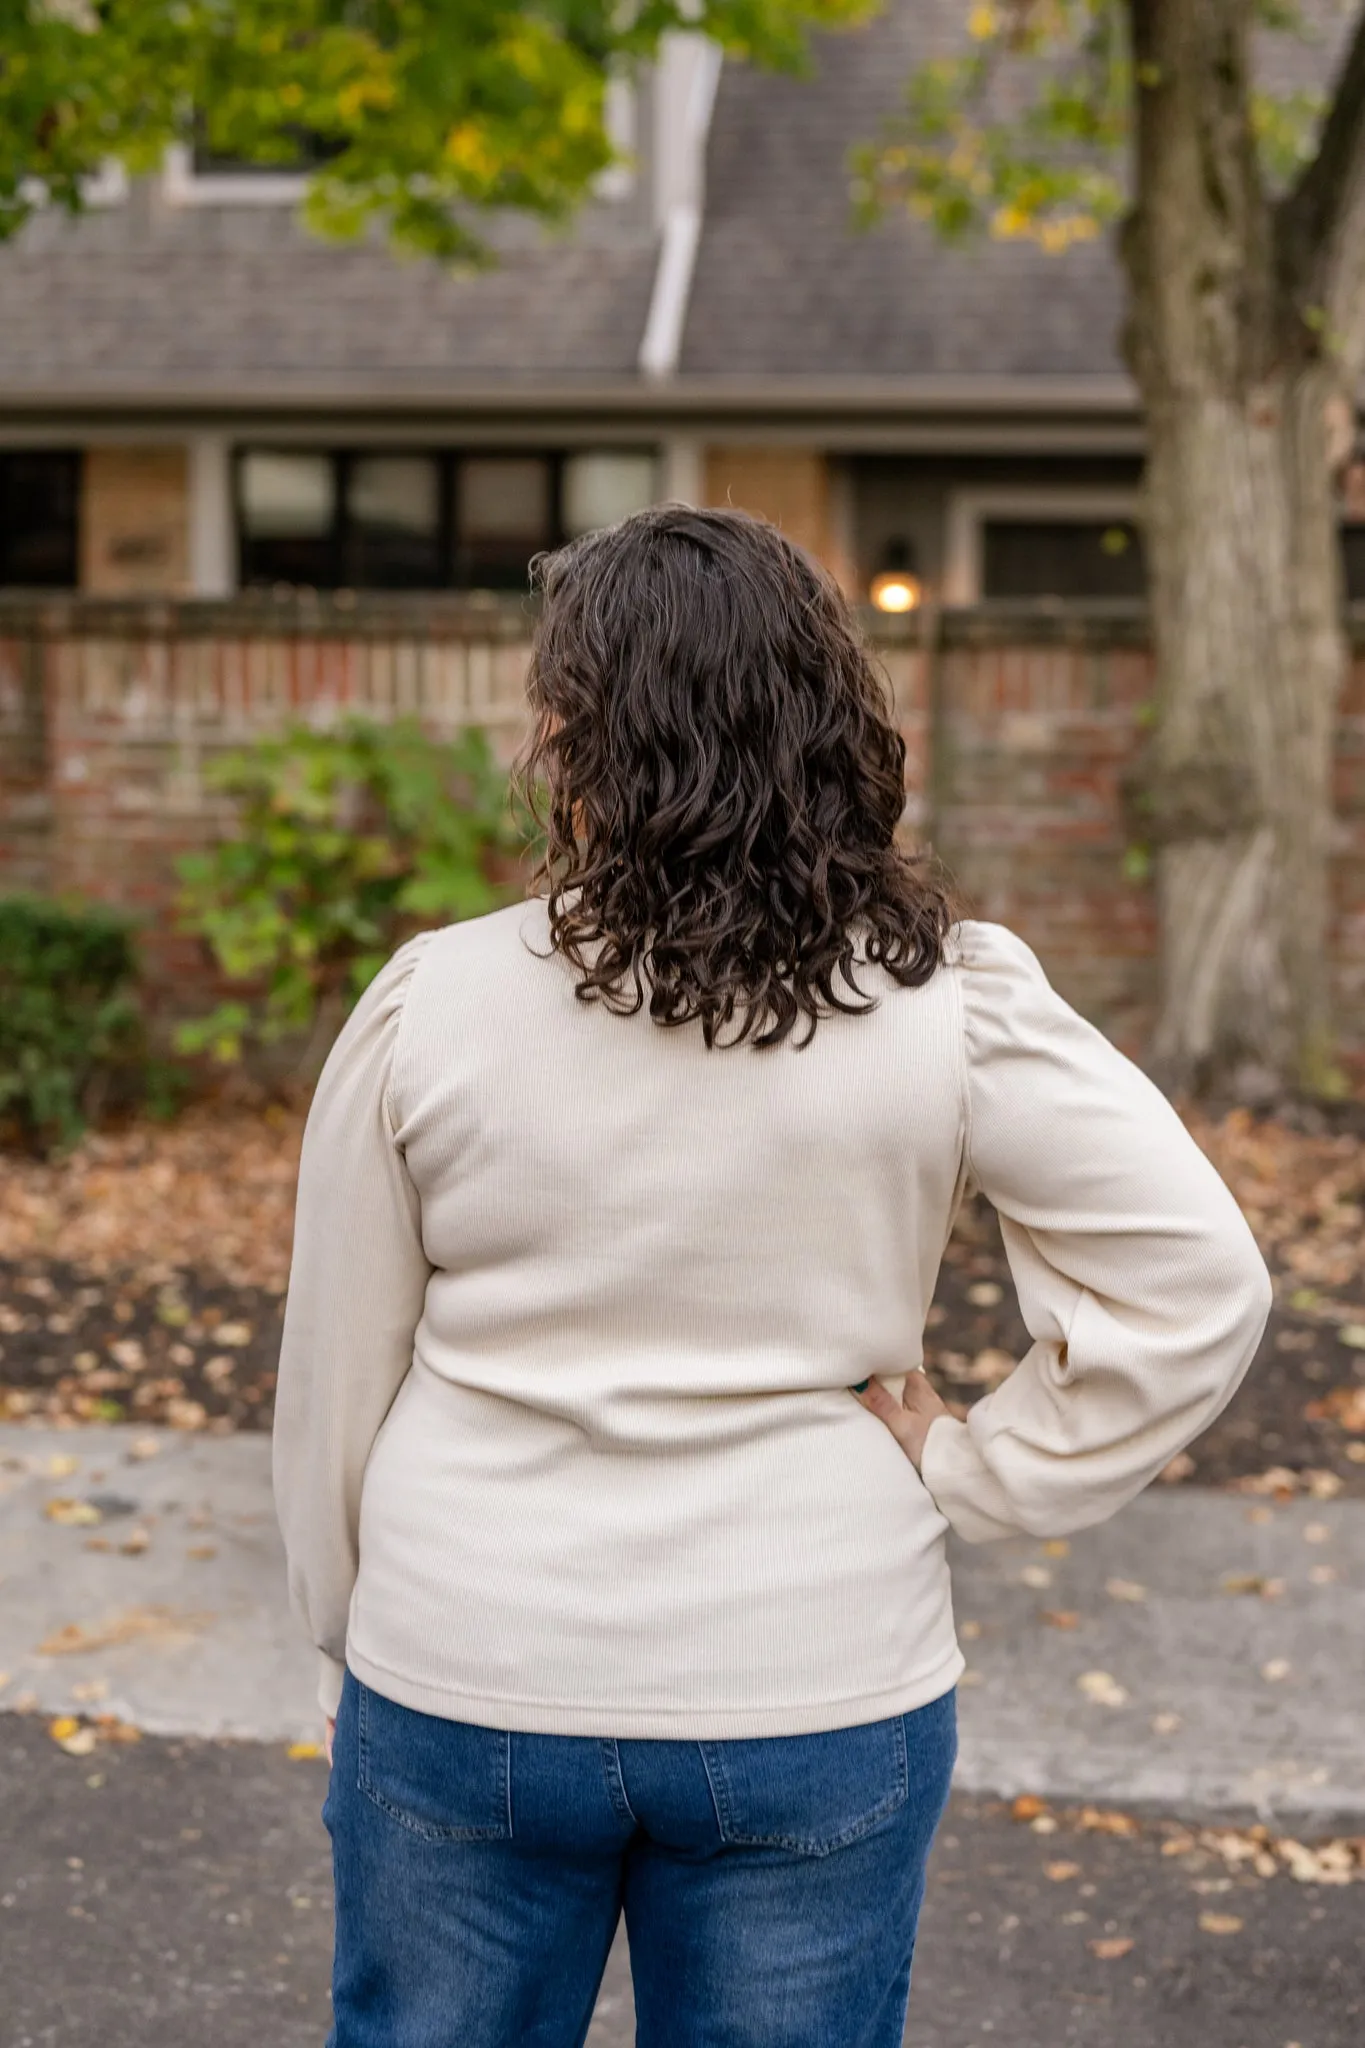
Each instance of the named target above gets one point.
<point>1250,652</point>
<point>1244,435</point>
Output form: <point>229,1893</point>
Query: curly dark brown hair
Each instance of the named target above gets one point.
<point>714,764</point>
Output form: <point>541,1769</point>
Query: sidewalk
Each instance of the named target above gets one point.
<point>1199,1654</point>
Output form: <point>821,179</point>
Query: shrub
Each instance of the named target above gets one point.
<point>70,1025</point>
<point>347,842</point>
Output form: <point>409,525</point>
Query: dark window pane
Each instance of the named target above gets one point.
<point>40,518</point>
<point>287,509</point>
<point>393,522</point>
<point>1061,558</point>
<point>505,512</point>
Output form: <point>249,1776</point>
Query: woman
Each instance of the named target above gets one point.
<point>613,1497</point>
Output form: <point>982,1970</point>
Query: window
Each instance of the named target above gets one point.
<point>406,519</point>
<point>1064,558</point>
<point>40,518</point>
<point>505,514</point>
<point>1353,562</point>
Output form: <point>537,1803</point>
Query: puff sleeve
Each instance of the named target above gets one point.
<point>1138,1278</point>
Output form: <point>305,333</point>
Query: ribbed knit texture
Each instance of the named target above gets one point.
<point>563,1437</point>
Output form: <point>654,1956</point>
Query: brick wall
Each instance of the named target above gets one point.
<point>1018,728</point>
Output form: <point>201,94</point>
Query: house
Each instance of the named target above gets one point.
<point>197,397</point>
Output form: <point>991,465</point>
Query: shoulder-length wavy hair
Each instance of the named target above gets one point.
<point>713,762</point>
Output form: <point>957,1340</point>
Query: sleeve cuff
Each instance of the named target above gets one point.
<point>330,1676</point>
<point>962,1486</point>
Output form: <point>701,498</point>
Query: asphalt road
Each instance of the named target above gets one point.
<point>166,1892</point>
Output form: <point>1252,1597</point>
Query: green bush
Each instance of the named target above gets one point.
<point>348,841</point>
<point>70,1026</point>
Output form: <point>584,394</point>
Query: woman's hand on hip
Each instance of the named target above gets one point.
<point>909,1418</point>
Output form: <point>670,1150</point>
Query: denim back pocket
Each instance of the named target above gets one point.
<point>446,1781</point>
<point>808,1793</point>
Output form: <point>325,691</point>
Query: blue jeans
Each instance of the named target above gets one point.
<point>771,1888</point>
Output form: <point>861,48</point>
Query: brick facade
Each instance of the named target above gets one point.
<point>1018,729</point>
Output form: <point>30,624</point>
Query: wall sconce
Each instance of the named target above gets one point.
<point>895,587</point>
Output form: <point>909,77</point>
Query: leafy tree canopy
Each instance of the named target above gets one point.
<point>1022,134</point>
<point>427,112</point>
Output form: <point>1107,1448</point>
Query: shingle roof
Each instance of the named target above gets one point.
<point>159,302</point>
<point>785,285</point>
<point>145,297</point>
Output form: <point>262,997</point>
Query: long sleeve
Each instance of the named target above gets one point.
<point>1138,1278</point>
<point>356,1287</point>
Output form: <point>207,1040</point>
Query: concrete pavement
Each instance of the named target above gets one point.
<point>179,1891</point>
<point>1200,1653</point>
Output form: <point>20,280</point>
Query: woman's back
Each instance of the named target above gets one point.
<point>623,1485</point>
<point>619,1217</point>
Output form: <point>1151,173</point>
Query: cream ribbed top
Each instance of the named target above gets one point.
<point>563,1441</point>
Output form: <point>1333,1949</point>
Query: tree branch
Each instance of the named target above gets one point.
<point>1322,223</point>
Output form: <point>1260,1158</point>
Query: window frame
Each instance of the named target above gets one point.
<point>448,457</point>
<point>969,511</point>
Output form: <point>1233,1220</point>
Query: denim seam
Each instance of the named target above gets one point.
<point>716,1800</point>
<point>610,1750</point>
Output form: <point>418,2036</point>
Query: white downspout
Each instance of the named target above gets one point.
<point>684,95</point>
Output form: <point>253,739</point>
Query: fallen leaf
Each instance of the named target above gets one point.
<point>1035,1575</point>
<point>1323,1485</point>
<point>74,1514</point>
<point>132,1624</point>
<point>1056,1546</point>
<point>985,1294</point>
<point>1105,1820</point>
<point>1220,1923</point>
<point>1102,1688</point>
<point>128,1353</point>
<point>1252,1582</point>
<point>1353,1335</point>
<point>1125,1589</point>
<point>1278,1481</point>
<point>1044,1825</point>
<point>201,1552</point>
<point>181,1414</point>
<point>1322,1575</point>
<point>1027,1807</point>
<point>1060,1872</point>
<point>144,1447</point>
<point>1356,1453</point>
<point>90,1689</point>
<point>135,1542</point>
<point>1110,1947</point>
<point>969,1630</point>
<point>1181,1466</point>
<point>1317,1532</point>
<point>62,1465</point>
<point>1060,1617</point>
<point>1165,1724</point>
<point>298,1751</point>
<point>233,1333</point>
<point>1276,1669</point>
